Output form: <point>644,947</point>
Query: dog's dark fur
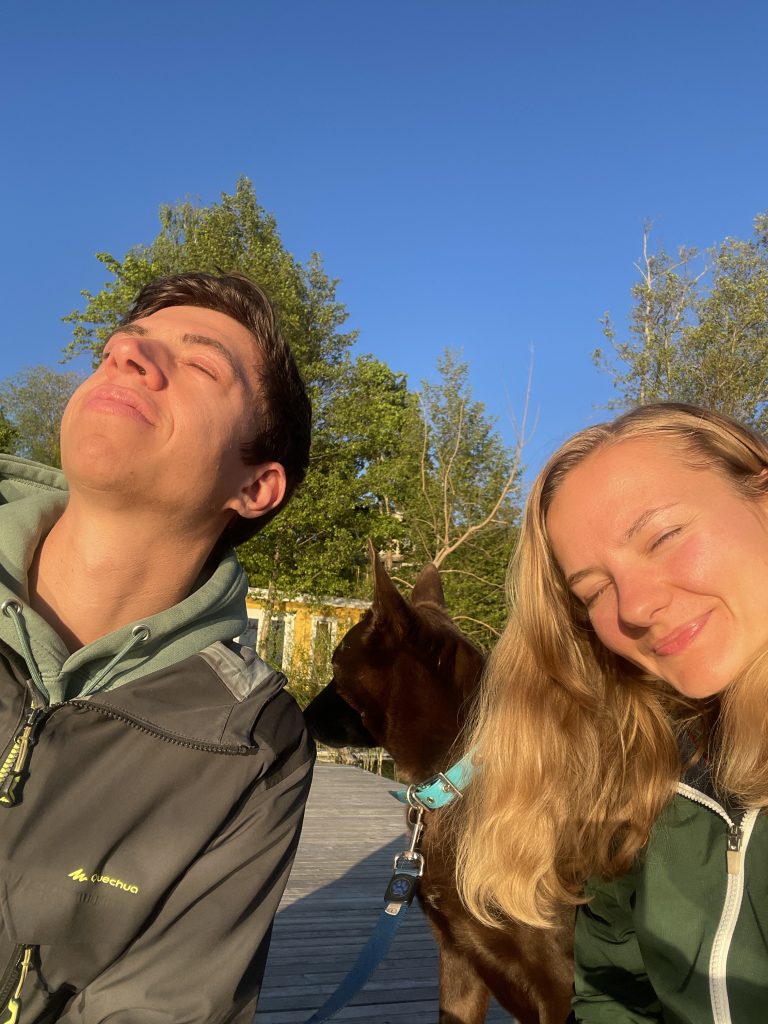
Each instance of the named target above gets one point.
<point>402,679</point>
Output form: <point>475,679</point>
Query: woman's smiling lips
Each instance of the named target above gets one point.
<point>120,401</point>
<point>677,641</point>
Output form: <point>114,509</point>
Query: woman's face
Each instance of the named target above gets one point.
<point>671,562</point>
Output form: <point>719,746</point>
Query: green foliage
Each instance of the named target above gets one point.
<point>34,402</point>
<point>9,435</point>
<point>698,335</point>
<point>318,547</point>
<point>309,673</point>
<point>459,502</point>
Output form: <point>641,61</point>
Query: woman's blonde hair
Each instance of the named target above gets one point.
<point>576,748</point>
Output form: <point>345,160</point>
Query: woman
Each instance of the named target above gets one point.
<point>622,734</point>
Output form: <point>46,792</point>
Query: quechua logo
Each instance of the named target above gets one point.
<point>80,875</point>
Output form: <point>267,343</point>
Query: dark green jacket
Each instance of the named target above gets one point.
<point>683,938</point>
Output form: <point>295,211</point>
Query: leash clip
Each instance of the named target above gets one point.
<point>408,868</point>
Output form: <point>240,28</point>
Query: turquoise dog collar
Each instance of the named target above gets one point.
<point>440,790</point>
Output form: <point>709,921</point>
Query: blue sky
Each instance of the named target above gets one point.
<point>477,174</point>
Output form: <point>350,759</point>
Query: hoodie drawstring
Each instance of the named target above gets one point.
<point>139,635</point>
<point>12,609</point>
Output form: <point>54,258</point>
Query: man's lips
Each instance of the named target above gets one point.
<point>120,401</point>
<point>679,639</point>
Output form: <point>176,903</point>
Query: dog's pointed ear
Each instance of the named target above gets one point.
<point>428,587</point>
<point>389,606</point>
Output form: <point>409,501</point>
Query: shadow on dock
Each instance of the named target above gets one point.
<point>352,832</point>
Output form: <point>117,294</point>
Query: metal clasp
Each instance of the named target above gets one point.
<point>415,816</point>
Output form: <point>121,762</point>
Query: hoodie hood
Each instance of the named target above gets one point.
<point>32,497</point>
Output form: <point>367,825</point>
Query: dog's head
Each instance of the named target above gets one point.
<point>401,676</point>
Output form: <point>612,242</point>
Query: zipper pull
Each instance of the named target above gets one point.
<point>733,853</point>
<point>13,1008</point>
<point>10,784</point>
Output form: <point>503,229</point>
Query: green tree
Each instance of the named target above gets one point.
<point>697,334</point>
<point>34,402</point>
<point>460,499</point>
<point>9,435</point>
<point>320,546</point>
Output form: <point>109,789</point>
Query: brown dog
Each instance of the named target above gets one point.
<point>402,679</point>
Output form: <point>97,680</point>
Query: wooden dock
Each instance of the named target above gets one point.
<point>352,831</point>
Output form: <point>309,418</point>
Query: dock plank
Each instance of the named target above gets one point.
<point>352,831</point>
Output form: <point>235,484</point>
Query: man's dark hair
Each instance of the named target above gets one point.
<point>284,419</point>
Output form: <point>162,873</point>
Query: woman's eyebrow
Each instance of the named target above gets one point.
<point>643,519</point>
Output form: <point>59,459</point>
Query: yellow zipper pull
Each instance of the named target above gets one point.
<point>14,1003</point>
<point>11,781</point>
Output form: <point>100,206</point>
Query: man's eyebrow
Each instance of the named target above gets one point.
<point>642,520</point>
<point>129,329</point>
<point>202,339</point>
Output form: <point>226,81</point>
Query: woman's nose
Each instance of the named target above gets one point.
<point>641,596</point>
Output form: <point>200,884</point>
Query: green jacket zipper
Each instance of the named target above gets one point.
<point>737,840</point>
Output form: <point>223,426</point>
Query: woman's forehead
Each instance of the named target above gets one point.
<point>620,483</point>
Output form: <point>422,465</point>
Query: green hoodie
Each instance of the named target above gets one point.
<point>32,497</point>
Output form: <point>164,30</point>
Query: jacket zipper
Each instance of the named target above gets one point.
<point>16,762</point>
<point>6,767</point>
<point>733,851</point>
<point>169,737</point>
<point>738,837</point>
<point>12,754</point>
<point>13,982</point>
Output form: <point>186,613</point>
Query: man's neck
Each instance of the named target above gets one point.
<point>93,574</point>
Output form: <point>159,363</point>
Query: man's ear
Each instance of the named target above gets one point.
<point>262,491</point>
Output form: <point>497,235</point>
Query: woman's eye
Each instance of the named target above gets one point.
<point>590,599</point>
<point>667,535</point>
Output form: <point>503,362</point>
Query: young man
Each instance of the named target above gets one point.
<point>155,773</point>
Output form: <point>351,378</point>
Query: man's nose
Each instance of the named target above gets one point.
<point>641,597</point>
<point>140,357</point>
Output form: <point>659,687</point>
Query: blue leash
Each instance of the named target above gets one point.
<point>409,867</point>
<point>398,898</point>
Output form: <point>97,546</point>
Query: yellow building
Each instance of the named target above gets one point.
<point>304,630</point>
